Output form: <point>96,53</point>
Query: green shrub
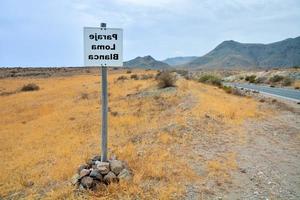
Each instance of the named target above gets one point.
<point>128,72</point>
<point>276,79</point>
<point>211,79</point>
<point>166,79</point>
<point>251,79</point>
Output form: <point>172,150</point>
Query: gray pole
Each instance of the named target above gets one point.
<point>104,110</point>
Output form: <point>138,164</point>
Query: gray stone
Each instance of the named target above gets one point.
<point>75,179</point>
<point>116,166</point>
<point>110,177</point>
<point>87,182</point>
<point>125,175</point>
<point>97,162</point>
<point>84,172</point>
<point>103,167</point>
<point>81,167</point>
<point>95,174</point>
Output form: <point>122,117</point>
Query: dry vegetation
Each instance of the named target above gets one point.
<point>46,134</point>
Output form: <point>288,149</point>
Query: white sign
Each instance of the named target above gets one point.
<point>103,46</point>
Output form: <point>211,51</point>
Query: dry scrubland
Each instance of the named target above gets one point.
<point>46,134</point>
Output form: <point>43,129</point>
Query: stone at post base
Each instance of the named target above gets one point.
<point>100,174</point>
<point>87,182</point>
<point>95,174</point>
<point>103,167</point>
<point>110,177</point>
<point>84,173</point>
<point>116,166</point>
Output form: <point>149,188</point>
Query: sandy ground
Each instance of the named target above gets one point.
<point>267,155</point>
<point>193,141</point>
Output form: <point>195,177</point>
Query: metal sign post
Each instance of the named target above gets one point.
<point>104,114</point>
<point>103,47</point>
<point>104,110</point>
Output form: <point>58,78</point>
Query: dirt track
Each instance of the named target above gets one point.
<point>267,159</point>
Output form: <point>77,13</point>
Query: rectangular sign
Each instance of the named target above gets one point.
<point>103,46</point>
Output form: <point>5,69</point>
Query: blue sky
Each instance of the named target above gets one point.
<point>49,33</point>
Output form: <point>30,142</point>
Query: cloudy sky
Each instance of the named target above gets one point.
<point>50,32</point>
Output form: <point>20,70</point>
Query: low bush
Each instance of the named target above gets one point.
<point>260,80</point>
<point>166,79</point>
<point>128,72</point>
<point>146,76</point>
<point>232,90</point>
<point>122,78</point>
<point>30,87</point>
<point>250,79</point>
<point>276,79</point>
<point>134,77</point>
<point>211,79</point>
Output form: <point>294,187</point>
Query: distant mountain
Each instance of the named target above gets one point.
<point>232,54</point>
<point>179,60</point>
<point>146,62</point>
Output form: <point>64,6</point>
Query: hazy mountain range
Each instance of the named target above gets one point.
<point>146,62</point>
<point>232,54</point>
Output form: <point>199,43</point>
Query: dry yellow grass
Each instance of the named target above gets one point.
<point>46,134</point>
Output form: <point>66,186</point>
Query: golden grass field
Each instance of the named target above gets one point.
<point>46,134</point>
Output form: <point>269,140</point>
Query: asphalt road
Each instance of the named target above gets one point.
<point>279,92</point>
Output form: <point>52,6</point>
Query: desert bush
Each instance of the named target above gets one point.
<point>166,79</point>
<point>134,77</point>
<point>250,79</point>
<point>232,90</point>
<point>30,87</point>
<point>211,79</point>
<point>260,80</point>
<point>122,78</point>
<point>297,87</point>
<point>276,79</point>
<point>146,76</point>
<point>128,72</point>
<point>287,81</point>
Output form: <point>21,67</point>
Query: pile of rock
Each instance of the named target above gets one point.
<point>96,173</point>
